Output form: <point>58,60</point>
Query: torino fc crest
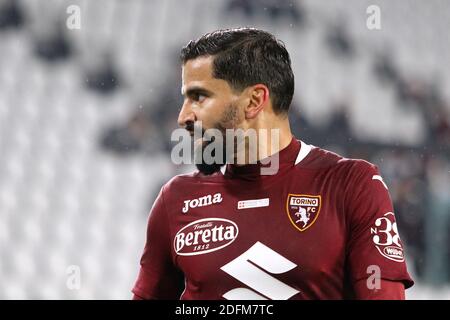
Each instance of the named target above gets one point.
<point>303,210</point>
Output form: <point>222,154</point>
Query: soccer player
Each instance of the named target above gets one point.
<point>320,227</point>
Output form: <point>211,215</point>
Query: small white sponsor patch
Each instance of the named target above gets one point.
<point>255,203</point>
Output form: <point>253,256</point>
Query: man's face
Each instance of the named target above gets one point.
<point>207,99</point>
<point>210,101</point>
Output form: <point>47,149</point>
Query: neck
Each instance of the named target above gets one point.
<point>268,140</point>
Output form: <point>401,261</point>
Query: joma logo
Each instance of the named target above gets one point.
<point>202,201</point>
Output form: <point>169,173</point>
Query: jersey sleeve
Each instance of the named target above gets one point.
<point>158,276</point>
<point>374,248</point>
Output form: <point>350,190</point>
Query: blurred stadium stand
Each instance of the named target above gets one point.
<point>86,116</point>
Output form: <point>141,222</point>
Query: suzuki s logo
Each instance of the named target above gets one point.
<point>201,202</point>
<point>204,236</point>
<point>254,268</point>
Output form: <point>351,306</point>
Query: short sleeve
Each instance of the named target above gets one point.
<point>373,238</point>
<point>158,277</point>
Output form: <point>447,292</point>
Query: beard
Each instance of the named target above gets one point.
<point>219,160</point>
<point>218,154</point>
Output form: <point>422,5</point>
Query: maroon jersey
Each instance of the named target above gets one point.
<point>310,231</point>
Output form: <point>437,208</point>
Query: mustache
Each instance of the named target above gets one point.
<point>191,127</point>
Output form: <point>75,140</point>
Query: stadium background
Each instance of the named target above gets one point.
<point>86,117</point>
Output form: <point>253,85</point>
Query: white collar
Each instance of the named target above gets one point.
<point>305,149</point>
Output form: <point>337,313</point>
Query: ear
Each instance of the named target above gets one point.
<point>258,98</point>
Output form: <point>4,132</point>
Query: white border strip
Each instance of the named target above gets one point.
<point>304,151</point>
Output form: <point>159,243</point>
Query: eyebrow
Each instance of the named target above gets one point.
<point>196,90</point>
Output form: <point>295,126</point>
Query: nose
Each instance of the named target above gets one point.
<point>186,114</point>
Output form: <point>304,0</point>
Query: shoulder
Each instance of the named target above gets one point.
<point>185,187</point>
<point>322,159</point>
<point>185,182</point>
